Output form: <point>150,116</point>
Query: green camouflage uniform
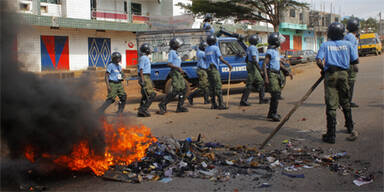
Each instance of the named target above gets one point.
<point>214,81</point>
<point>336,91</point>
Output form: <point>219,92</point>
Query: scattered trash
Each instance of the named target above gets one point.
<point>293,175</point>
<point>166,180</point>
<point>264,185</point>
<point>363,180</point>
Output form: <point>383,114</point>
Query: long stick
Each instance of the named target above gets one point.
<point>229,87</point>
<point>286,118</point>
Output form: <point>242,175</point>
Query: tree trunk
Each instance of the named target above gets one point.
<point>276,27</point>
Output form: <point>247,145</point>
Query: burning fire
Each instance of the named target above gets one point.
<point>123,146</point>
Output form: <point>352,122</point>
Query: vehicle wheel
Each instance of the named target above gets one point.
<point>168,86</point>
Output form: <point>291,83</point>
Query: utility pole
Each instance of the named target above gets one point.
<point>380,28</point>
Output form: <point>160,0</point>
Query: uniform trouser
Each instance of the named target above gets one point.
<point>117,90</point>
<point>178,87</point>
<point>147,93</point>
<point>254,79</point>
<point>214,82</point>
<point>351,81</point>
<point>203,82</point>
<point>275,90</point>
<point>337,93</point>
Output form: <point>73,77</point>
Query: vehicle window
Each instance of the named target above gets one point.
<point>232,48</point>
<point>367,41</point>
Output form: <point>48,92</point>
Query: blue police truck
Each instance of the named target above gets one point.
<point>231,45</point>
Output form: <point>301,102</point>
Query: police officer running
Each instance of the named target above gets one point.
<point>113,79</point>
<point>178,83</point>
<point>353,29</point>
<point>254,76</point>
<point>212,55</point>
<point>207,26</point>
<point>271,67</point>
<point>334,59</point>
<point>202,67</point>
<point>147,92</point>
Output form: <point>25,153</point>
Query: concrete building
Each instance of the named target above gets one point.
<point>318,24</point>
<point>82,34</point>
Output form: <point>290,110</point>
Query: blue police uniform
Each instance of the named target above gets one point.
<point>352,39</point>
<point>208,28</point>
<point>114,71</point>
<point>145,64</point>
<point>337,53</point>
<point>251,52</point>
<point>212,55</point>
<point>274,63</point>
<point>201,63</point>
<point>174,58</point>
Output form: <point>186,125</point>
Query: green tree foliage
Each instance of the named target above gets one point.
<point>369,25</point>
<point>251,10</point>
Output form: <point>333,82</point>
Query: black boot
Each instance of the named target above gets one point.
<point>331,130</point>
<point>262,100</point>
<point>180,107</point>
<point>221,102</point>
<point>121,104</point>
<point>272,114</point>
<point>351,88</point>
<point>348,120</point>
<point>192,95</point>
<point>206,97</point>
<point>213,102</point>
<point>105,105</point>
<point>164,102</point>
<point>244,97</point>
<point>143,110</point>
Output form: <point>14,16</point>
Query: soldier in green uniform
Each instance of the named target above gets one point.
<point>212,56</point>
<point>202,68</point>
<point>353,30</point>
<point>334,59</point>
<point>178,83</point>
<point>147,92</point>
<point>254,78</point>
<point>113,79</point>
<point>272,66</point>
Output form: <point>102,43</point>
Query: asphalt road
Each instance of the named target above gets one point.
<point>247,126</point>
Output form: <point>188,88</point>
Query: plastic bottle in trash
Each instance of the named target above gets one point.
<point>187,146</point>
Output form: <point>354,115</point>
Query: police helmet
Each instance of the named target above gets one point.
<point>203,45</point>
<point>336,31</point>
<point>353,25</point>
<point>208,17</point>
<point>175,43</point>
<point>274,39</point>
<point>144,48</point>
<point>211,40</point>
<point>116,57</point>
<point>253,39</point>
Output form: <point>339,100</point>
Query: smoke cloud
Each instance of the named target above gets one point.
<point>50,115</point>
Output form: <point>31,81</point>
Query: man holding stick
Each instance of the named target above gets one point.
<point>334,59</point>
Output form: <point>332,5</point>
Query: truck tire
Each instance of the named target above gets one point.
<point>168,86</point>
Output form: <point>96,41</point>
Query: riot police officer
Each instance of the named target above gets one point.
<point>147,92</point>
<point>334,59</point>
<point>207,26</point>
<point>272,66</point>
<point>178,86</point>
<point>113,80</point>
<point>202,67</point>
<point>353,30</point>
<point>213,55</point>
<point>254,78</point>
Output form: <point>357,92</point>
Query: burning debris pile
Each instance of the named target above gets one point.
<point>124,145</point>
<point>169,158</point>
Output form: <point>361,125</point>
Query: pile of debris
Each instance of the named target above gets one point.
<point>170,158</point>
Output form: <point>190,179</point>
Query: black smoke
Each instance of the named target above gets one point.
<point>49,114</point>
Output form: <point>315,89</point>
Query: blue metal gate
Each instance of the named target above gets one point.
<point>99,51</point>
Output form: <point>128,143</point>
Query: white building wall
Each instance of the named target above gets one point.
<point>78,9</point>
<point>29,46</point>
<point>52,9</point>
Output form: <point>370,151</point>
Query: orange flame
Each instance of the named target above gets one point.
<point>29,153</point>
<point>124,146</point>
